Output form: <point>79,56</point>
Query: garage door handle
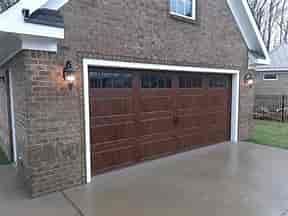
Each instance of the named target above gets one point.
<point>175,119</point>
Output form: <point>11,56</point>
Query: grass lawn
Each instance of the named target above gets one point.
<point>271,133</point>
<point>3,158</point>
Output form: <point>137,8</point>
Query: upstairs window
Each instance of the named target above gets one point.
<point>270,76</point>
<point>183,8</point>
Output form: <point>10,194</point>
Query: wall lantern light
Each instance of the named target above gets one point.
<point>249,80</point>
<point>69,73</point>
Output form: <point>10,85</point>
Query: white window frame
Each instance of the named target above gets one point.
<point>194,11</point>
<point>155,67</point>
<point>277,76</point>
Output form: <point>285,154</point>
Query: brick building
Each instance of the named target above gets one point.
<point>90,86</point>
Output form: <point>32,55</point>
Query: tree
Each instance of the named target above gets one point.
<point>272,19</point>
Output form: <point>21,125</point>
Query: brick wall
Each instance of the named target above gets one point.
<point>54,148</point>
<point>48,125</point>
<point>50,116</point>
<point>143,31</point>
<point>21,90</point>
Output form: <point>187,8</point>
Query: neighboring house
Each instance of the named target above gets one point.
<point>143,79</point>
<point>273,79</point>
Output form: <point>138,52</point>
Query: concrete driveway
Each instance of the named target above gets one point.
<point>15,201</point>
<point>222,180</point>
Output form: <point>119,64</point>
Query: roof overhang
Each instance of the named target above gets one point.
<point>18,33</point>
<point>12,20</point>
<point>258,53</point>
<point>272,69</point>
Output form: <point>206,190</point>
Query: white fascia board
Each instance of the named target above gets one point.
<point>38,43</point>
<point>54,4</point>
<point>275,69</point>
<point>12,21</point>
<point>249,29</point>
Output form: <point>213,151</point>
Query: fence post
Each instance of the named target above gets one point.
<point>283,108</point>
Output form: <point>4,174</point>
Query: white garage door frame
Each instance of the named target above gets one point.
<point>155,67</point>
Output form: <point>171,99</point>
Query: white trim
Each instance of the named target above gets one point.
<point>272,69</point>
<point>249,30</point>
<point>39,43</point>
<point>155,67</point>
<point>12,117</point>
<point>12,21</point>
<point>277,76</point>
<point>194,12</point>
<point>25,42</point>
<point>235,107</point>
<point>258,34</point>
<point>130,65</point>
<point>87,120</point>
<point>55,4</point>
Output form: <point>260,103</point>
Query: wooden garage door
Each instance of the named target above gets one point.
<point>140,115</point>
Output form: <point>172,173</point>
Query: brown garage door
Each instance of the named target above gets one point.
<point>140,115</point>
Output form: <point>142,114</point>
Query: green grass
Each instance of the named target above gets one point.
<point>270,133</point>
<point>3,158</point>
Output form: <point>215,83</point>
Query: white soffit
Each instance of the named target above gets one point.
<point>12,20</point>
<point>14,43</point>
<point>249,30</point>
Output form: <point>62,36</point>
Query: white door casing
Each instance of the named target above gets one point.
<point>155,67</point>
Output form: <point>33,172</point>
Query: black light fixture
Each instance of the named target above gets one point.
<point>69,72</point>
<point>249,80</point>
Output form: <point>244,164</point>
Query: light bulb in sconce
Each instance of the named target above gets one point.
<point>249,80</point>
<point>69,73</point>
<point>70,78</point>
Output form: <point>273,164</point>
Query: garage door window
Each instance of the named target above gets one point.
<point>110,80</point>
<point>156,81</point>
<point>218,82</point>
<point>190,82</point>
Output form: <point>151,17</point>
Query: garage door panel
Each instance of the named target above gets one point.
<point>152,126</point>
<point>113,132</point>
<point>111,106</point>
<point>107,160</point>
<point>191,101</point>
<point>110,92</point>
<point>154,115</point>
<point>193,140</point>
<point>190,121</point>
<point>158,147</point>
<point>141,115</point>
<point>216,118</point>
<point>156,103</point>
<point>110,145</point>
<point>114,119</point>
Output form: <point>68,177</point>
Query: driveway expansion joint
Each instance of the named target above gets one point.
<point>75,207</point>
